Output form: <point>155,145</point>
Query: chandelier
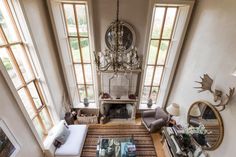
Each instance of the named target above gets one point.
<point>121,54</point>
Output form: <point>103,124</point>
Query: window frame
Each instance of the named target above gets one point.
<point>39,81</point>
<point>181,23</point>
<point>79,37</point>
<point>59,28</point>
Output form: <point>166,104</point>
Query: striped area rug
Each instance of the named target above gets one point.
<point>142,138</point>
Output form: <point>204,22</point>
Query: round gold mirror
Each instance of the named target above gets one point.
<point>126,36</point>
<point>203,113</point>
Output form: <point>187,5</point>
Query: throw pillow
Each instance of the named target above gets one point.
<point>62,137</point>
<point>57,144</point>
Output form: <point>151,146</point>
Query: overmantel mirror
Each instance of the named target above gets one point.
<point>126,37</point>
<point>205,114</point>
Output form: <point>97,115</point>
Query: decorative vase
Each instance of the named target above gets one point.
<point>149,104</point>
<point>86,103</point>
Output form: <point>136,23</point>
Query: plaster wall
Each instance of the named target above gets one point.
<point>135,12</point>
<point>15,121</point>
<point>209,48</point>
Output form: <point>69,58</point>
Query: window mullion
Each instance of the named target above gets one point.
<point>41,123</point>
<point>35,110</point>
<point>31,100</point>
<point>44,105</point>
<point>172,29</point>
<point>46,108</point>
<point>11,44</point>
<point>11,55</point>
<point>81,54</point>
<point>13,21</point>
<point>36,82</point>
<point>28,60</point>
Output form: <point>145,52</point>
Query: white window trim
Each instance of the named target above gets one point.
<point>174,51</point>
<point>59,29</point>
<point>19,15</point>
<point>36,60</point>
<point>19,102</point>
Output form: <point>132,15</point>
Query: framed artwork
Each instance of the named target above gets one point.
<point>8,144</point>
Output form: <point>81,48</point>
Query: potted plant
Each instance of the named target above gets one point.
<point>198,133</point>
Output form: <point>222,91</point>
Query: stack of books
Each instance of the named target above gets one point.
<point>128,149</point>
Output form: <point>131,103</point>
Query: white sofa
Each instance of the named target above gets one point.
<point>73,145</point>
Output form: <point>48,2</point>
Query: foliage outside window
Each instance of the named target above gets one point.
<point>76,21</point>
<point>16,58</point>
<point>160,40</point>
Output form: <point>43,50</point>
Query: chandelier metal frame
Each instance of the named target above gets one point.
<point>120,54</point>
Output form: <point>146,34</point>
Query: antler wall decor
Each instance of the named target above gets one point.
<point>206,85</point>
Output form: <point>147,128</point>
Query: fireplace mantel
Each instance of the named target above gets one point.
<point>118,101</point>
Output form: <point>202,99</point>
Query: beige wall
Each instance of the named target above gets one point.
<point>15,120</point>
<point>132,11</point>
<point>209,48</point>
<point>39,23</point>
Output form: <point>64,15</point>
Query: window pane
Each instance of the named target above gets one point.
<point>79,73</point>
<point>35,95</point>
<point>153,51</point>
<point>88,73</point>
<point>70,19</point>
<point>162,52</point>
<point>7,23</point>
<point>84,43</point>
<point>82,92</point>
<point>154,94</point>
<point>45,118</point>
<point>7,62</point>
<point>169,22</point>
<point>74,44</point>
<point>149,74</point>
<point>38,127</point>
<point>27,103</point>
<point>145,94</point>
<point>158,20</point>
<point>23,62</point>
<point>82,20</point>
<point>90,93</point>
<point>158,75</point>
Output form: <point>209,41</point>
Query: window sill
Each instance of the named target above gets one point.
<point>90,106</point>
<point>144,107</point>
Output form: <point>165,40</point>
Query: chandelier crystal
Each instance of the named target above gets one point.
<point>121,54</point>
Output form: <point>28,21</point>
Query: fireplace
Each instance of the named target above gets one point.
<point>118,111</point>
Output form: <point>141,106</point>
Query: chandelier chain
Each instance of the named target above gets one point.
<point>117,10</point>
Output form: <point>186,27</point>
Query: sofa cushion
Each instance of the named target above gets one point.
<point>160,113</point>
<point>52,134</point>
<point>74,144</point>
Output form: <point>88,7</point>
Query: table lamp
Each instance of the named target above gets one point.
<point>173,109</point>
<point>195,111</point>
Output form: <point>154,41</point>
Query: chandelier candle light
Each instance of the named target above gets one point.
<point>121,54</point>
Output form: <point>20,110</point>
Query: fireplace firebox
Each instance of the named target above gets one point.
<point>118,111</point>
